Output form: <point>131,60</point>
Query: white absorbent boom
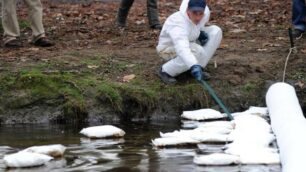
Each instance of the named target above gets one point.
<point>289,126</point>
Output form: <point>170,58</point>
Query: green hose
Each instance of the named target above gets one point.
<point>207,87</point>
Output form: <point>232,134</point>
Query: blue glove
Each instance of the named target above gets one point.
<point>203,38</point>
<point>196,72</point>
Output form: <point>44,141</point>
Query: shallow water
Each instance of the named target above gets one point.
<point>132,153</point>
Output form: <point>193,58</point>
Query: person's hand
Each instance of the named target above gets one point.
<point>203,38</point>
<point>196,72</point>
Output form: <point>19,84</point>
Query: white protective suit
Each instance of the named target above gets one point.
<point>177,41</point>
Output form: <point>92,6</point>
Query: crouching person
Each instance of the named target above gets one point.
<point>186,42</point>
<point>11,27</point>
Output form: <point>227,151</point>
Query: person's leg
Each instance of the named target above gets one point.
<point>205,53</point>
<point>175,67</point>
<point>167,54</point>
<point>123,12</point>
<point>299,17</point>
<point>152,11</point>
<point>9,21</point>
<point>35,17</point>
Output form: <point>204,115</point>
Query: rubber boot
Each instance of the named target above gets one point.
<point>166,78</point>
<point>123,12</point>
<point>153,14</point>
<point>297,34</point>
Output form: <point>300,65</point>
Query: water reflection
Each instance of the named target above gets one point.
<point>99,143</point>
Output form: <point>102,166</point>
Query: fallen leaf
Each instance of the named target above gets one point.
<point>128,78</point>
<point>109,42</point>
<point>23,59</point>
<point>300,84</point>
<point>168,4</point>
<point>239,16</point>
<point>33,49</point>
<point>237,31</point>
<point>255,12</point>
<point>44,60</point>
<point>92,66</point>
<point>223,46</point>
<point>267,44</point>
<point>262,49</point>
<point>130,65</point>
<point>281,38</point>
<point>139,22</point>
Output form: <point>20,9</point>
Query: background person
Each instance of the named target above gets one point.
<point>11,27</point>
<point>152,12</point>
<point>298,18</point>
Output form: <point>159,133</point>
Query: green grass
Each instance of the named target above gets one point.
<point>40,86</point>
<point>299,75</point>
<point>24,24</point>
<point>249,87</point>
<point>109,93</point>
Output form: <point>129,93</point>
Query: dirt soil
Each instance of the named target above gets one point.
<point>91,48</point>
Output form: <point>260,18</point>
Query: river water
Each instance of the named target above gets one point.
<point>132,153</point>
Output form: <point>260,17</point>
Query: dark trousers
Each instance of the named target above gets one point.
<point>151,9</point>
<point>299,14</point>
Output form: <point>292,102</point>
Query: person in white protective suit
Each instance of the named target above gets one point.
<point>186,43</point>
